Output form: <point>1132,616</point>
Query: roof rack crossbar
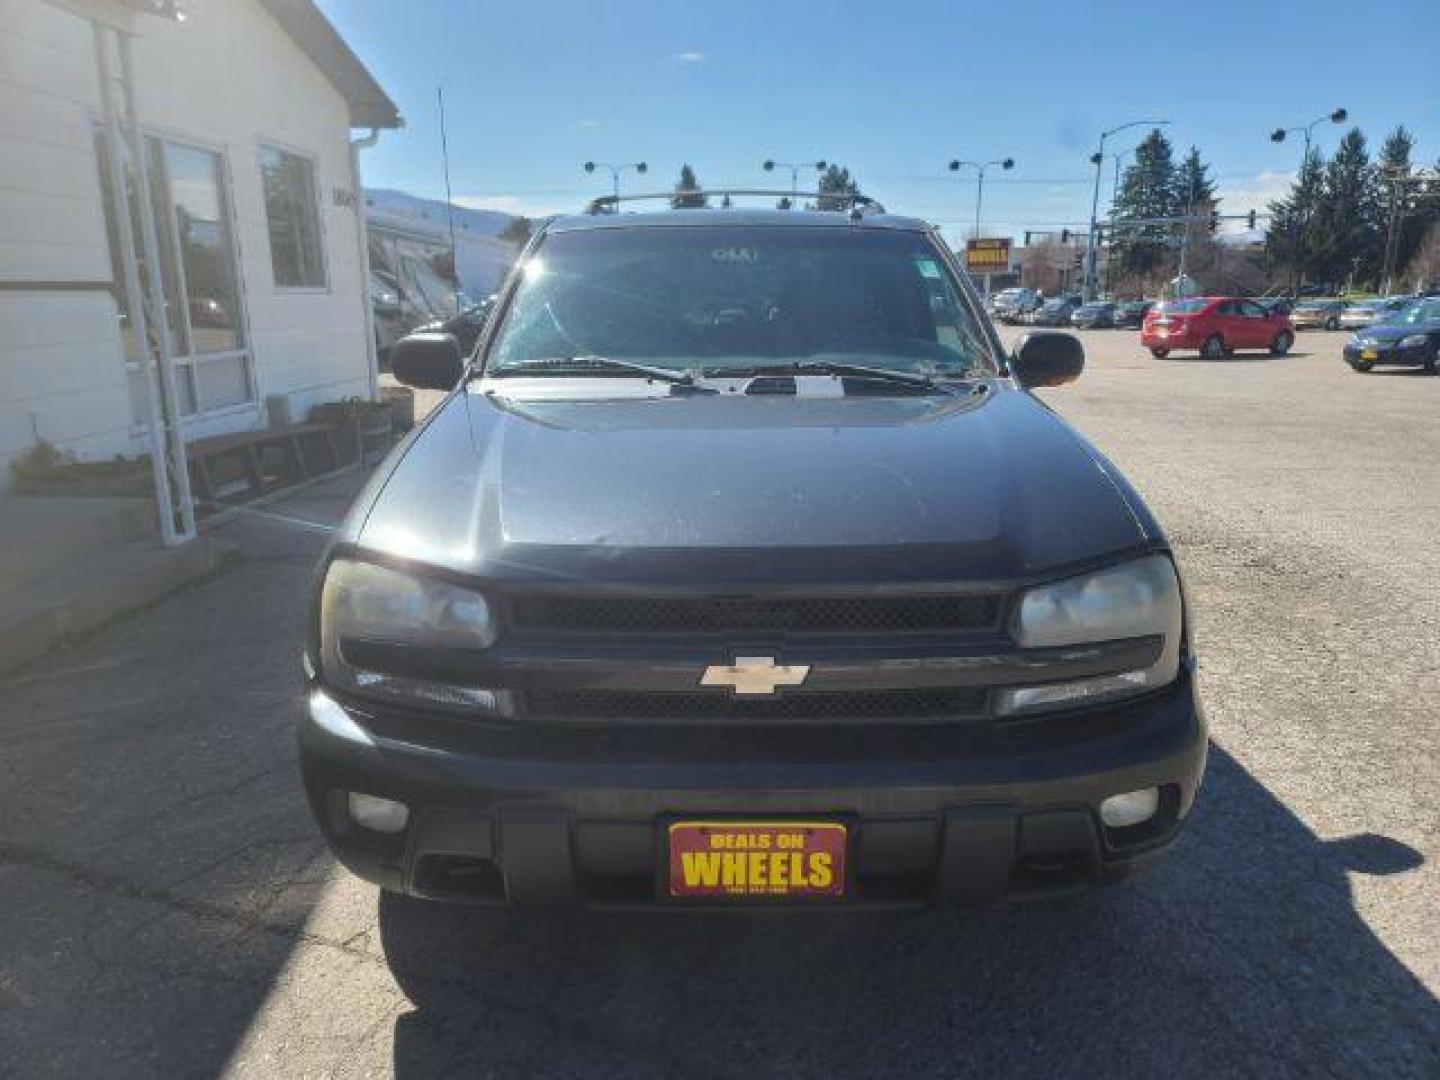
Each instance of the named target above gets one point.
<point>611,203</point>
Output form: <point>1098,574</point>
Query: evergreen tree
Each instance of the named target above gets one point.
<point>1146,191</point>
<point>1406,210</point>
<point>1345,236</point>
<point>687,192</point>
<point>1193,187</point>
<point>1287,239</point>
<point>834,183</point>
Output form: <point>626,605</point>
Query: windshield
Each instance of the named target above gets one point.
<point>1182,307</point>
<point>1421,311</point>
<point>713,298</point>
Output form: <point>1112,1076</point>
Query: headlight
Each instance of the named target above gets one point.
<point>362,602</point>
<point>1415,341</point>
<point>1136,599</point>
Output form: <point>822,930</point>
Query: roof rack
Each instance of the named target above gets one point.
<point>857,202</point>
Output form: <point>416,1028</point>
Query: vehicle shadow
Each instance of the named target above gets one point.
<point>1240,953</point>
<point>1233,358</point>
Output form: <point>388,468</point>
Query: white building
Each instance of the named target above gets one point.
<point>255,223</point>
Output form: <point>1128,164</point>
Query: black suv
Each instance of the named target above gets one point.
<point>740,567</point>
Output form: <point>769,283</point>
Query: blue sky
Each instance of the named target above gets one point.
<point>891,90</point>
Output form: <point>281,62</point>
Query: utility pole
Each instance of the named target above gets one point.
<point>1398,180</point>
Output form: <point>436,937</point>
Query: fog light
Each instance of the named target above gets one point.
<point>1131,808</point>
<point>1058,695</point>
<point>377,814</point>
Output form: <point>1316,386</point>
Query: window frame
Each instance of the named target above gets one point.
<point>263,144</point>
<point>185,361</point>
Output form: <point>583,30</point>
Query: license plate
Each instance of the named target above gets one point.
<point>1369,354</point>
<point>754,860</point>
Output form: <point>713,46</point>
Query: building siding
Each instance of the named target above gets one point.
<point>228,79</point>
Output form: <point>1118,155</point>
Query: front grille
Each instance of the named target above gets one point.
<point>843,615</point>
<point>926,704</point>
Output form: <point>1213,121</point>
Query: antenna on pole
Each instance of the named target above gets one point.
<point>449,206</point>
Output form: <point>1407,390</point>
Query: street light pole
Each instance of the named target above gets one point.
<point>770,165</point>
<point>1337,116</point>
<point>1114,193</point>
<point>615,170</point>
<point>955,166</point>
<point>1098,159</point>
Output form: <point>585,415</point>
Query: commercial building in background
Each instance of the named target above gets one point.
<point>177,271</point>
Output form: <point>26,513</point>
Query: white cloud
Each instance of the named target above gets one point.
<point>509,204</point>
<point>690,56</point>
<point>589,122</point>
<point>1242,194</point>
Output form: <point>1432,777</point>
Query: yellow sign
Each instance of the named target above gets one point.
<point>988,255</point>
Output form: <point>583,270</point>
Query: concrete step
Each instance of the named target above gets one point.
<point>42,533</point>
<point>87,592</point>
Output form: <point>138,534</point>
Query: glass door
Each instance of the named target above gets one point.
<point>202,302</point>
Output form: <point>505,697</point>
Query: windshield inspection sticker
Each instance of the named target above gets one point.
<point>928,268</point>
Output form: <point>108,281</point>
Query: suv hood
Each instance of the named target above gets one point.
<point>732,490</point>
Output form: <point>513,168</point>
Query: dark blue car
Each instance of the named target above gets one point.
<point>1411,338</point>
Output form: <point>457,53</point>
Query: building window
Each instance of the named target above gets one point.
<point>191,215</point>
<point>296,253</point>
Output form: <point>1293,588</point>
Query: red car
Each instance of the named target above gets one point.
<point>1216,326</point>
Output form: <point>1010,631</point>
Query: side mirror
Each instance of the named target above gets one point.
<point>1047,358</point>
<point>427,361</point>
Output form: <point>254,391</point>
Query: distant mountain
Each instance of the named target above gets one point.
<point>400,208</point>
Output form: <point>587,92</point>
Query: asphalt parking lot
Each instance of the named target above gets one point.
<point>170,910</point>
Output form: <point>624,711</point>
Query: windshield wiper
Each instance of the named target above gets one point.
<point>842,368</point>
<point>603,363</point>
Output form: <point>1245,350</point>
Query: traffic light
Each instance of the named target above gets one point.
<point>1079,261</point>
<point>1214,221</point>
<point>1252,219</point>
<point>1064,236</point>
<point>1027,237</point>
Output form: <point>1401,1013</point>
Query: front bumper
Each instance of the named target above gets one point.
<point>1385,353</point>
<point>1013,815</point>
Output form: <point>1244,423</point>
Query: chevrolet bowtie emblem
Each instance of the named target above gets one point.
<point>755,675</point>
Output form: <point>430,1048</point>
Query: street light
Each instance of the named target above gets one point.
<point>1338,116</point>
<point>1114,193</point>
<point>957,165</point>
<point>770,166</point>
<point>615,171</point>
<point>1098,159</point>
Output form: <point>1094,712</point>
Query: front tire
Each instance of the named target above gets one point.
<point>1362,366</point>
<point>1159,354</point>
<point>1432,362</point>
<point>1213,347</point>
<point>1282,343</point>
